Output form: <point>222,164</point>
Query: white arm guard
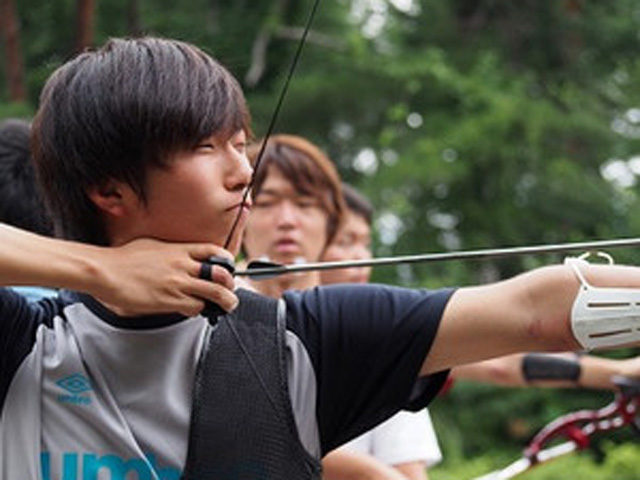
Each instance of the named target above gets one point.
<point>604,317</point>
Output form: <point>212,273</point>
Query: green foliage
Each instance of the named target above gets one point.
<point>470,124</point>
<point>15,110</point>
<point>620,463</point>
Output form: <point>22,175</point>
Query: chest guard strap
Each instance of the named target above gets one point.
<point>242,424</point>
<point>604,317</point>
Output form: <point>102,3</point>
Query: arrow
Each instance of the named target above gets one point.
<point>261,270</point>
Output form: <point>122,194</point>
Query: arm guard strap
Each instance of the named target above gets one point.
<point>542,366</point>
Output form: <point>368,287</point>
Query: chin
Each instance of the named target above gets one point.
<point>358,279</point>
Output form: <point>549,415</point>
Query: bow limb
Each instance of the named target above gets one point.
<point>577,428</point>
<point>274,117</point>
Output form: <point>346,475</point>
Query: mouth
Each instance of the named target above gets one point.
<point>286,245</point>
<point>244,206</point>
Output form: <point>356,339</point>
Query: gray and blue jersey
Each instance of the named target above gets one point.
<point>88,395</point>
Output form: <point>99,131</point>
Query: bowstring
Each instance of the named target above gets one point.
<point>274,118</point>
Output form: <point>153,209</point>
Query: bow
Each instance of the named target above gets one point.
<point>577,428</point>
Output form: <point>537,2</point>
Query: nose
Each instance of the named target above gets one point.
<point>240,172</point>
<point>288,214</point>
<point>361,252</point>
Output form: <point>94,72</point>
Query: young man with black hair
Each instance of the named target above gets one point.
<point>146,138</point>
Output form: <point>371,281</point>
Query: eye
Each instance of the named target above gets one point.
<point>205,146</point>
<point>241,147</point>
<point>263,202</point>
<point>307,202</point>
<point>346,240</point>
<point>343,243</point>
<point>239,141</point>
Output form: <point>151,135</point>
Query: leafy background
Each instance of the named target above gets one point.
<point>469,124</point>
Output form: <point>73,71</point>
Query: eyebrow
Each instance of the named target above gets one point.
<point>268,192</point>
<point>276,193</point>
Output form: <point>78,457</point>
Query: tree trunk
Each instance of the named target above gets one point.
<point>13,54</point>
<point>133,18</point>
<point>84,26</point>
<point>213,18</point>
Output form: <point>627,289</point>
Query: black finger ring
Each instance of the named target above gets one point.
<point>205,271</point>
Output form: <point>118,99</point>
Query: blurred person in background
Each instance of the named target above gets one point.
<point>21,203</point>
<point>298,215</point>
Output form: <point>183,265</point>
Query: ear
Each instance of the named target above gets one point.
<point>110,197</point>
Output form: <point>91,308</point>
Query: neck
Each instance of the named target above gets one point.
<point>295,281</point>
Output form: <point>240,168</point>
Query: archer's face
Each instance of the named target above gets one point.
<point>285,225</point>
<point>352,242</point>
<point>197,197</point>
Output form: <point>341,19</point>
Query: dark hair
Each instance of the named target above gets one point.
<point>357,202</point>
<point>308,169</point>
<point>21,203</point>
<point>114,112</point>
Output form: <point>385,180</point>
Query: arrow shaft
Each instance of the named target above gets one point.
<point>441,257</point>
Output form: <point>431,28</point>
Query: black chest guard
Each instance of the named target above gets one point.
<point>242,424</point>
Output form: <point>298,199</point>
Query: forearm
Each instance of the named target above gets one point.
<point>29,259</point>
<point>531,312</point>
<point>566,370</point>
<point>598,372</point>
<point>577,371</point>
<point>142,277</point>
<point>503,371</point>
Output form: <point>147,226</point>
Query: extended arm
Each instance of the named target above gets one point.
<point>550,370</point>
<point>531,312</point>
<point>144,276</point>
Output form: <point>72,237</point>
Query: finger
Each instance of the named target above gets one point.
<point>214,292</point>
<point>224,298</point>
<point>216,274</point>
<point>205,271</point>
<point>201,251</point>
<point>191,306</point>
<point>222,277</point>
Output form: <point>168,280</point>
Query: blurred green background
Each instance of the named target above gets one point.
<point>469,124</point>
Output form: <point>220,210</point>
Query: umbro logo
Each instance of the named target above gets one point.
<point>75,385</point>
